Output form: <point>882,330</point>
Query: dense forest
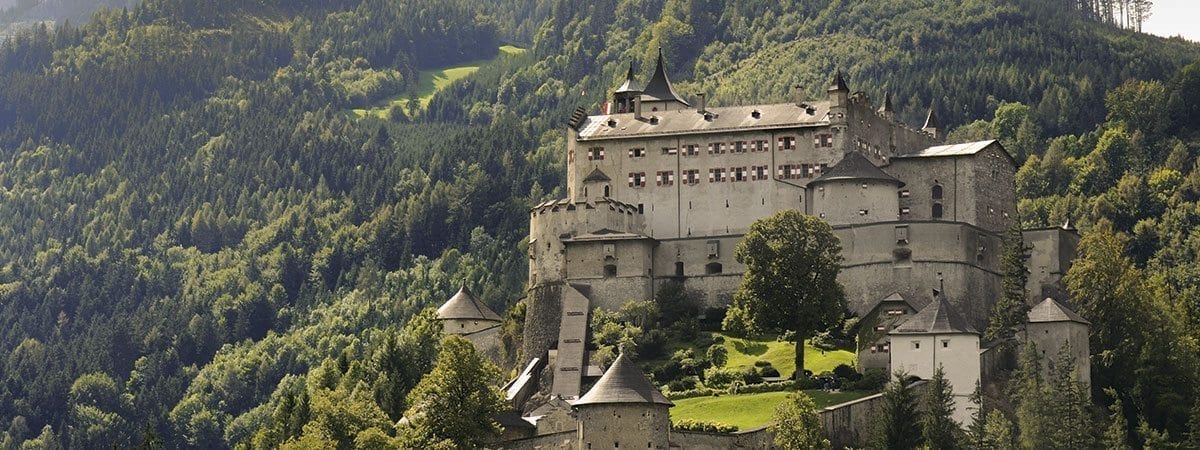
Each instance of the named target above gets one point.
<point>200,247</point>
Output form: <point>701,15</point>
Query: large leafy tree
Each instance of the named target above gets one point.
<point>455,403</point>
<point>790,282</point>
<point>796,424</point>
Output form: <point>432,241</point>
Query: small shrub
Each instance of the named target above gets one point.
<point>737,322</point>
<point>872,380</point>
<point>787,336</point>
<point>751,376</point>
<point>718,355</point>
<point>805,383</point>
<point>769,372</point>
<point>716,377</point>
<point>845,371</point>
<point>682,384</point>
<point>762,363</point>
<point>718,339</point>
<point>703,426</point>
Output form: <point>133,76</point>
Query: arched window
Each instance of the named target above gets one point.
<point>606,190</point>
<point>937,192</point>
<point>937,210</point>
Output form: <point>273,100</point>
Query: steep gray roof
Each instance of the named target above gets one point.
<point>464,305</point>
<point>938,317</point>
<point>721,119</point>
<point>855,166</point>
<point>839,83</point>
<point>1050,310</point>
<point>623,383</point>
<point>659,88</point>
<point>630,85</point>
<point>596,175</point>
<point>931,120</point>
<point>887,103</point>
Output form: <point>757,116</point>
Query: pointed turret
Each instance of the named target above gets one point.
<point>465,314</point>
<point>886,110</point>
<point>938,317</point>
<point>931,124</point>
<point>659,93</point>
<point>623,382</point>
<point>625,95</point>
<point>839,83</point>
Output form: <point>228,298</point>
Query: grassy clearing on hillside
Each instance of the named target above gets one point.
<point>748,411</point>
<point>429,82</point>
<point>782,355</point>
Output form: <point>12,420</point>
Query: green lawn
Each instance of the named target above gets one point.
<point>782,355</point>
<point>748,411</point>
<point>429,82</point>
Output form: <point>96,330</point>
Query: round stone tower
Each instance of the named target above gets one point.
<point>855,192</point>
<point>623,410</point>
<point>465,314</point>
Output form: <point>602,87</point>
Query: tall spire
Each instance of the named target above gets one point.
<point>931,120</point>
<point>630,85</point>
<point>659,88</point>
<point>887,103</point>
<point>839,83</point>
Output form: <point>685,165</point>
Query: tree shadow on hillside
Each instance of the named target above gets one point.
<point>750,348</point>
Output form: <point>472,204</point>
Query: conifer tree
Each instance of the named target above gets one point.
<point>938,428</point>
<point>1012,310</point>
<point>1069,404</point>
<point>1026,390</point>
<point>997,432</point>
<point>1116,436</point>
<point>897,425</point>
<point>977,429</point>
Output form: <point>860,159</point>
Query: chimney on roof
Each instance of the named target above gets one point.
<point>701,110</point>
<point>637,107</point>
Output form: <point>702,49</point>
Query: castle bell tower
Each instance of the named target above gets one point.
<point>625,95</point>
<point>839,110</point>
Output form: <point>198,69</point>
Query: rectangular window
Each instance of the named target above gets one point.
<point>595,153</point>
<point>716,175</point>
<point>669,150</point>
<point>887,348</point>
<point>739,173</point>
<point>881,327</point>
<point>806,170</point>
<point>787,143</point>
<point>758,173</point>
<point>637,179</point>
<point>905,194</point>
<point>691,150</point>
<point>945,343</point>
<point>902,233</point>
<point>822,140</point>
<point>905,211</point>
<point>637,152</point>
<point>895,312</point>
<point>760,146</point>
<point>916,345</point>
<point>691,176</point>
<point>665,178</point>
<point>739,147</point>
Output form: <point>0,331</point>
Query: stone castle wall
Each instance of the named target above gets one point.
<point>542,317</point>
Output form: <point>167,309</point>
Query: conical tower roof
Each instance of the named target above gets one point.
<point>855,166</point>
<point>938,317</point>
<point>630,85</point>
<point>839,82</point>
<point>1050,310</point>
<point>887,103</point>
<point>464,305</point>
<point>931,120</point>
<point>659,88</point>
<point>623,383</point>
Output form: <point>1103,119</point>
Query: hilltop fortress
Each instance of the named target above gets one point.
<point>660,190</point>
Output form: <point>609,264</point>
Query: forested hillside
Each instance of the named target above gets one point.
<point>200,247</point>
